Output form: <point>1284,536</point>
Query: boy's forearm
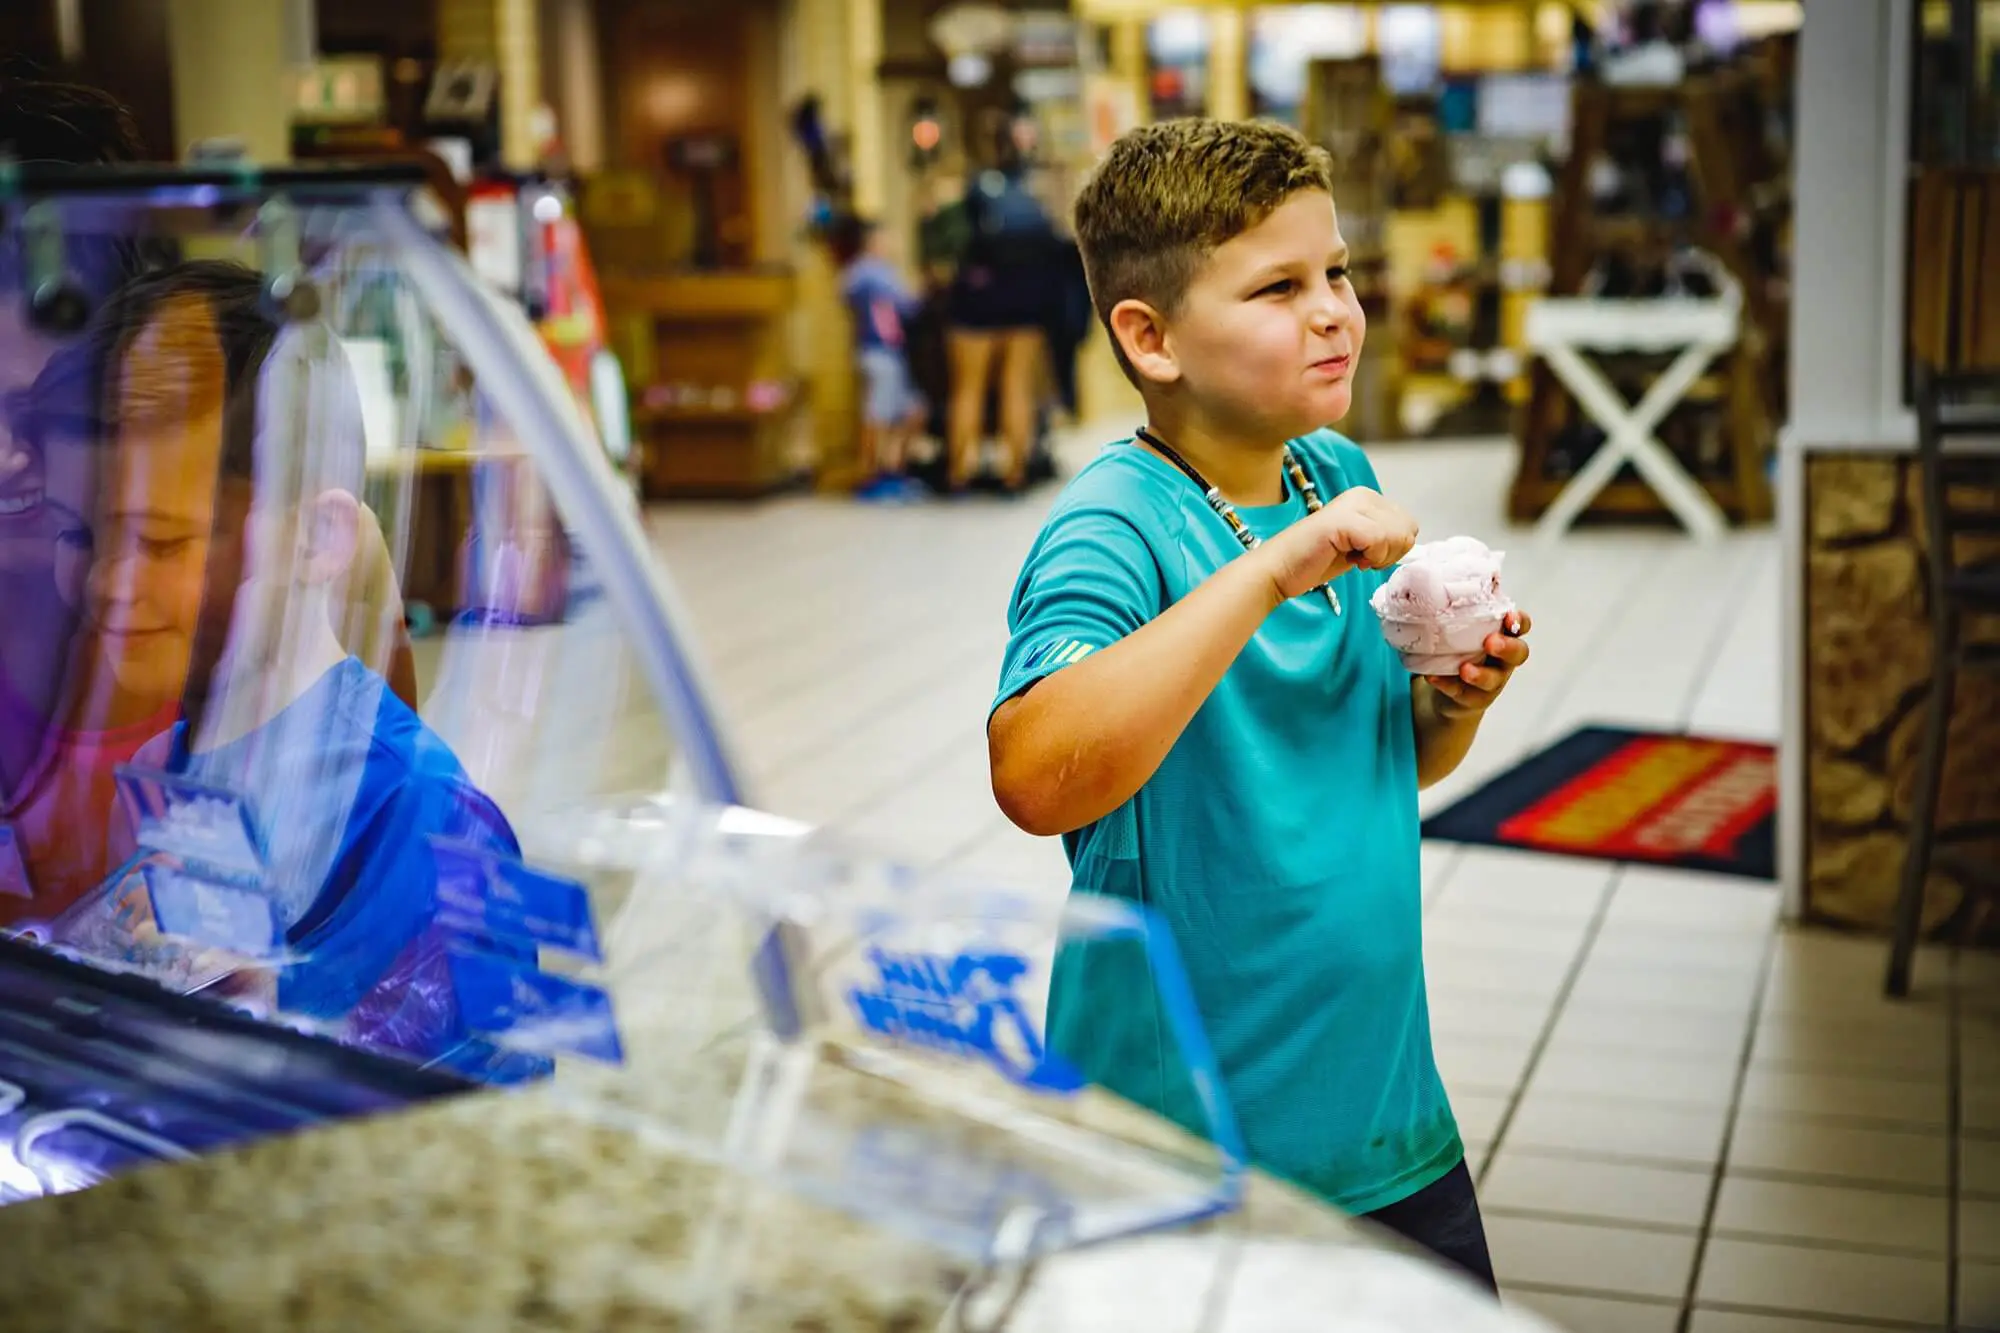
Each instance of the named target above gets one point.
<point>1084,740</point>
<point>1442,743</point>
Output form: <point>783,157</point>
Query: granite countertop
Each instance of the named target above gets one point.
<point>522,1211</point>
<point>488,1211</point>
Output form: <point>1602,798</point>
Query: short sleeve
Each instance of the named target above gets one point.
<point>1090,580</point>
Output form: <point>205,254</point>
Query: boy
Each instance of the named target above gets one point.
<point>227,555</point>
<point>1197,696</point>
<point>892,411</point>
<point>46,469</point>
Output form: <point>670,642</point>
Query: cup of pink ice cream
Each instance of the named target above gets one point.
<point>1441,603</point>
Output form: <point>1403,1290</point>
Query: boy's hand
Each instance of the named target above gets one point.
<point>1477,684</point>
<point>1358,530</point>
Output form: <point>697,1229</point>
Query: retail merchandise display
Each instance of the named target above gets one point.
<point>1440,605</point>
<point>128,1074</point>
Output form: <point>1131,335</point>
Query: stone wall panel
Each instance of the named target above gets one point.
<point>1854,498</point>
<point>1853,879</point>
<point>1861,677</point>
<point>1971,790</point>
<point>1868,665</point>
<point>1849,795</point>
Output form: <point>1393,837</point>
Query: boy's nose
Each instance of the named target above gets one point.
<point>1328,311</point>
<point>109,582</point>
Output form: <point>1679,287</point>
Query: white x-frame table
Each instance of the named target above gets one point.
<point>1562,330</point>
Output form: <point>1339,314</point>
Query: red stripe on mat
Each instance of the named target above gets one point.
<point>1658,798</point>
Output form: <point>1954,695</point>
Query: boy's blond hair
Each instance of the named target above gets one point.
<point>1167,195</point>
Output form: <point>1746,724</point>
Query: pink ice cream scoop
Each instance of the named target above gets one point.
<point>1441,603</point>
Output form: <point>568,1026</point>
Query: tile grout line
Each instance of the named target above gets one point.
<point>1550,1023</point>
<point>972,843</point>
<point>929,762</point>
<point>1551,712</point>
<point>1639,1299</point>
<point>1859,1324</point>
<point>925,684</point>
<point>1782,1240</point>
<point>895,627</point>
<point>1710,658</point>
<point>1721,1172</point>
<point>1766,1175</point>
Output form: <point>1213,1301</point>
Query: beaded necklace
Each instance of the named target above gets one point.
<point>1227,511</point>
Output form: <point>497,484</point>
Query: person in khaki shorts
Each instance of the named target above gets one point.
<point>1198,698</point>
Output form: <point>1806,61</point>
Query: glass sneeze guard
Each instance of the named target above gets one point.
<point>260,420</point>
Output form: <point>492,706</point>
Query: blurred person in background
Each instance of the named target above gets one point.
<point>881,306</point>
<point>997,308</point>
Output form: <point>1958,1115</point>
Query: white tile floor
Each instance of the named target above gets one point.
<point>1686,1118</point>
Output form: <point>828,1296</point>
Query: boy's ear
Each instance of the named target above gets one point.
<point>1141,332</point>
<point>332,533</point>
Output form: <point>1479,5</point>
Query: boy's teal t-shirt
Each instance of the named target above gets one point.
<point>1278,842</point>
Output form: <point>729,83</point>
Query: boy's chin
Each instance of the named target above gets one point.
<point>1306,421</point>
<point>1332,406</point>
<point>150,685</point>
<point>1315,411</point>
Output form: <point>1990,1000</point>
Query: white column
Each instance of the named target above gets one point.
<point>1850,166</point>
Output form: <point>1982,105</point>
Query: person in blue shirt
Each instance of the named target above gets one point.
<point>1003,294</point>
<point>1198,698</point>
<point>880,304</point>
<point>245,431</point>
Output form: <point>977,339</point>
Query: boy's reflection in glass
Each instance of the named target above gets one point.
<point>66,730</point>
<point>45,465</point>
<point>151,388</point>
<point>40,618</point>
<point>66,719</point>
<point>228,555</point>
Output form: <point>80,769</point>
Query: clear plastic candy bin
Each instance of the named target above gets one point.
<point>872,1036</point>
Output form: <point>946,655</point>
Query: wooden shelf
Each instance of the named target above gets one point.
<point>710,416</point>
<point>1632,499</point>
<point>744,294</point>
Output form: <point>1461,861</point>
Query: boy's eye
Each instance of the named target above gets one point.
<point>163,549</point>
<point>1338,273</point>
<point>1281,287</point>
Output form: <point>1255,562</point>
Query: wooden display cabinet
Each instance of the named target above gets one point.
<point>697,260</point>
<point>717,413</point>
